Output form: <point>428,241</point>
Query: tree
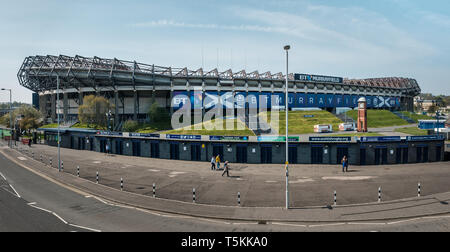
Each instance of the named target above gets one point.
<point>130,126</point>
<point>157,114</point>
<point>27,117</point>
<point>432,109</point>
<point>94,110</point>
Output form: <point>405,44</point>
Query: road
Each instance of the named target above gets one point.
<point>47,206</point>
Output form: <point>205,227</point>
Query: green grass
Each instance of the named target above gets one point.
<point>412,131</point>
<point>379,118</point>
<point>88,126</point>
<point>154,127</point>
<point>298,124</point>
<point>49,126</point>
<point>190,130</point>
<point>416,117</point>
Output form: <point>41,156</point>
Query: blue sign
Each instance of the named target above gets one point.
<point>308,116</point>
<point>277,100</point>
<point>321,101</point>
<point>228,138</point>
<point>301,100</point>
<point>311,102</point>
<point>143,135</point>
<point>184,137</point>
<point>330,102</point>
<point>317,78</point>
<point>381,139</point>
<point>431,124</point>
<point>425,138</point>
<point>330,139</point>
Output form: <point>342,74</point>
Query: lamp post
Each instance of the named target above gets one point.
<point>286,48</point>
<point>57,114</point>
<point>10,112</point>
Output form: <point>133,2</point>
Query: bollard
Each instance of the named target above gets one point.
<point>239,198</point>
<point>154,190</point>
<point>40,156</point>
<point>193,195</point>
<point>121,184</point>
<point>379,194</point>
<point>51,165</point>
<point>418,190</point>
<point>32,154</point>
<point>78,171</point>
<point>62,165</point>
<point>97,178</point>
<point>335,198</point>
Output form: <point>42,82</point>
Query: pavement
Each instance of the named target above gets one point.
<point>399,193</point>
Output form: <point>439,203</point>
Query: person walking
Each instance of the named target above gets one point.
<point>226,168</point>
<point>213,163</point>
<point>344,164</point>
<point>107,149</point>
<point>218,162</point>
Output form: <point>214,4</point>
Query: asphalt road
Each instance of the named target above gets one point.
<point>46,206</point>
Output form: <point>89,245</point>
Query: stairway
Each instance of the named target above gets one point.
<point>345,119</point>
<point>404,117</point>
<point>257,125</point>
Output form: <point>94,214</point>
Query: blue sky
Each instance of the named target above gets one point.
<point>355,39</point>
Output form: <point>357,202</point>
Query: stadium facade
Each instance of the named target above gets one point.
<point>132,87</point>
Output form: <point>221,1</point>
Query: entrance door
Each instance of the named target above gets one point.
<point>316,155</point>
<point>196,152</point>
<point>136,148</point>
<point>154,150</point>
<point>218,150</point>
<point>266,154</point>
<point>398,155</point>
<point>174,151</point>
<point>119,147</point>
<point>341,152</point>
<point>241,154</point>
<point>425,154</point>
<point>377,156</point>
<point>293,154</point>
<point>419,155</point>
<point>384,156</point>
<point>438,153</point>
<point>405,155</point>
<point>362,156</point>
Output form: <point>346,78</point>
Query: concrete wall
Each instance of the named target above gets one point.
<point>330,150</point>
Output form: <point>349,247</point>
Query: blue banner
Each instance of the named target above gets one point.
<point>381,139</point>
<point>301,100</point>
<point>425,138</point>
<point>330,102</point>
<point>184,137</point>
<point>311,100</point>
<point>321,101</point>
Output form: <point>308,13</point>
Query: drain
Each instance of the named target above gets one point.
<point>140,188</point>
<point>262,222</point>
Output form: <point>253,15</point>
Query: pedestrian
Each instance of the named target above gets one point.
<point>344,164</point>
<point>218,162</point>
<point>213,163</point>
<point>29,142</point>
<point>226,168</point>
<point>107,149</point>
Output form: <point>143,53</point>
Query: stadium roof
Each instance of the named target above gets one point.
<point>38,73</point>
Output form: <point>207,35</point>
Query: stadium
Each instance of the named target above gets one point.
<point>131,86</point>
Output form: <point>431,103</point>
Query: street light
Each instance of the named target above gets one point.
<point>57,114</point>
<point>286,48</point>
<point>10,111</point>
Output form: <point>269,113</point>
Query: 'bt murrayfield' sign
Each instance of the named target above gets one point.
<point>317,78</point>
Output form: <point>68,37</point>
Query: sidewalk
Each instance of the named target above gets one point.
<point>407,208</point>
